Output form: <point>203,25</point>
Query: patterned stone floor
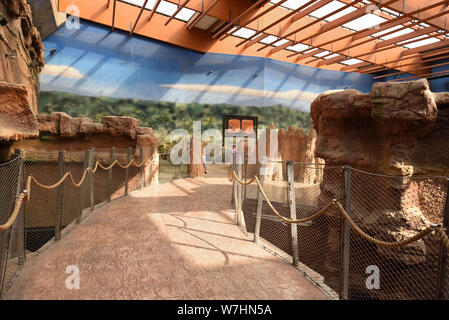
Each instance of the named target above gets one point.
<point>171,241</point>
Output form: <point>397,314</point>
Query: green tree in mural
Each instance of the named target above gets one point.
<point>166,116</point>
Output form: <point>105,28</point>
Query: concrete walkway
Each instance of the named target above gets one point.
<point>173,241</point>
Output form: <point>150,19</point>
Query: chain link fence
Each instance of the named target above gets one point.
<point>168,171</point>
<point>50,210</point>
<point>9,182</point>
<point>335,256</point>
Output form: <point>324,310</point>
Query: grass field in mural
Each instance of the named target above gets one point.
<point>164,117</point>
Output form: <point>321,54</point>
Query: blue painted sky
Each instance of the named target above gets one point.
<point>94,61</point>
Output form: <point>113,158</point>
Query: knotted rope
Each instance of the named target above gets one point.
<point>438,229</point>
<point>69,175</point>
<point>15,213</point>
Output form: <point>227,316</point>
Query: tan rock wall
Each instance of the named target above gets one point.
<point>21,49</point>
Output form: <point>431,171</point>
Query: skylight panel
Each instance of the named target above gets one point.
<point>350,62</point>
<point>367,21</point>
<point>391,12</point>
<point>332,56</point>
<point>280,42</point>
<point>268,39</point>
<point>138,3</point>
<point>298,47</point>
<point>166,8</point>
<point>328,8</point>
<point>185,14</point>
<point>319,55</point>
<point>387,31</point>
<point>421,43</point>
<point>397,34</point>
<point>244,33</point>
<point>341,14</point>
<point>232,30</point>
<point>411,39</point>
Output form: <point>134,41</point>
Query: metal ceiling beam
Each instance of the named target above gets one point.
<point>194,21</point>
<point>182,6</point>
<point>113,15</point>
<point>307,8</point>
<point>153,11</point>
<point>309,54</point>
<point>415,6</point>
<point>419,68</point>
<point>421,57</point>
<point>257,16</point>
<point>355,66</point>
<point>405,37</point>
<point>138,17</point>
<point>421,76</point>
<point>426,47</point>
<point>370,31</point>
<point>293,33</point>
<point>231,23</point>
<point>384,67</point>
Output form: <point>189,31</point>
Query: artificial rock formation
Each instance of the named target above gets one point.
<point>21,60</point>
<point>61,131</point>
<point>17,121</point>
<point>21,46</point>
<point>386,131</point>
<point>398,129</point>
<point>294,145</point>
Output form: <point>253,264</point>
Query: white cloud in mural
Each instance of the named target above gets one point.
<point>62,71</point>
<point>234,90</point>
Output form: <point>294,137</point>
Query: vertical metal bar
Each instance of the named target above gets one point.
<point>259,204</point>
<point>92,179</point>
<point>127,171</point>
<point>443,281</point>
<point>59,196</point>
<point>292,205</point>
<point>142,179</point>
<point>345,235</point>
<point>237,195</point>
<point>240,195</point>
<point>82,187</point>
<point>151,164</point>
<point>111,159</point>
<point>246,179</point>
<point>4,251</point>
<point>20,224</point>
<point>234,183</point>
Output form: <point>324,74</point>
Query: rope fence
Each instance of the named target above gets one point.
<point>38,211</point>
<point>335,203</point>
<point>340,209</point>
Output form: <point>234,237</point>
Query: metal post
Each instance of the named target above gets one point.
<point>345,235</point>
<point>151,164</point>
<point>82,187</point>
<point>7,234</point>
<point>443,282</point>
<point>292,205</point>
<point>238,199</point>
<point>246,178</point>
<point>234,183</point>
<point>142,178</point>
<point>130,150</point>
<point>92,179</point>
<point>259,205</point>
<point>20,224</point>
<point>111,159</point>
<point>59,196</point>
